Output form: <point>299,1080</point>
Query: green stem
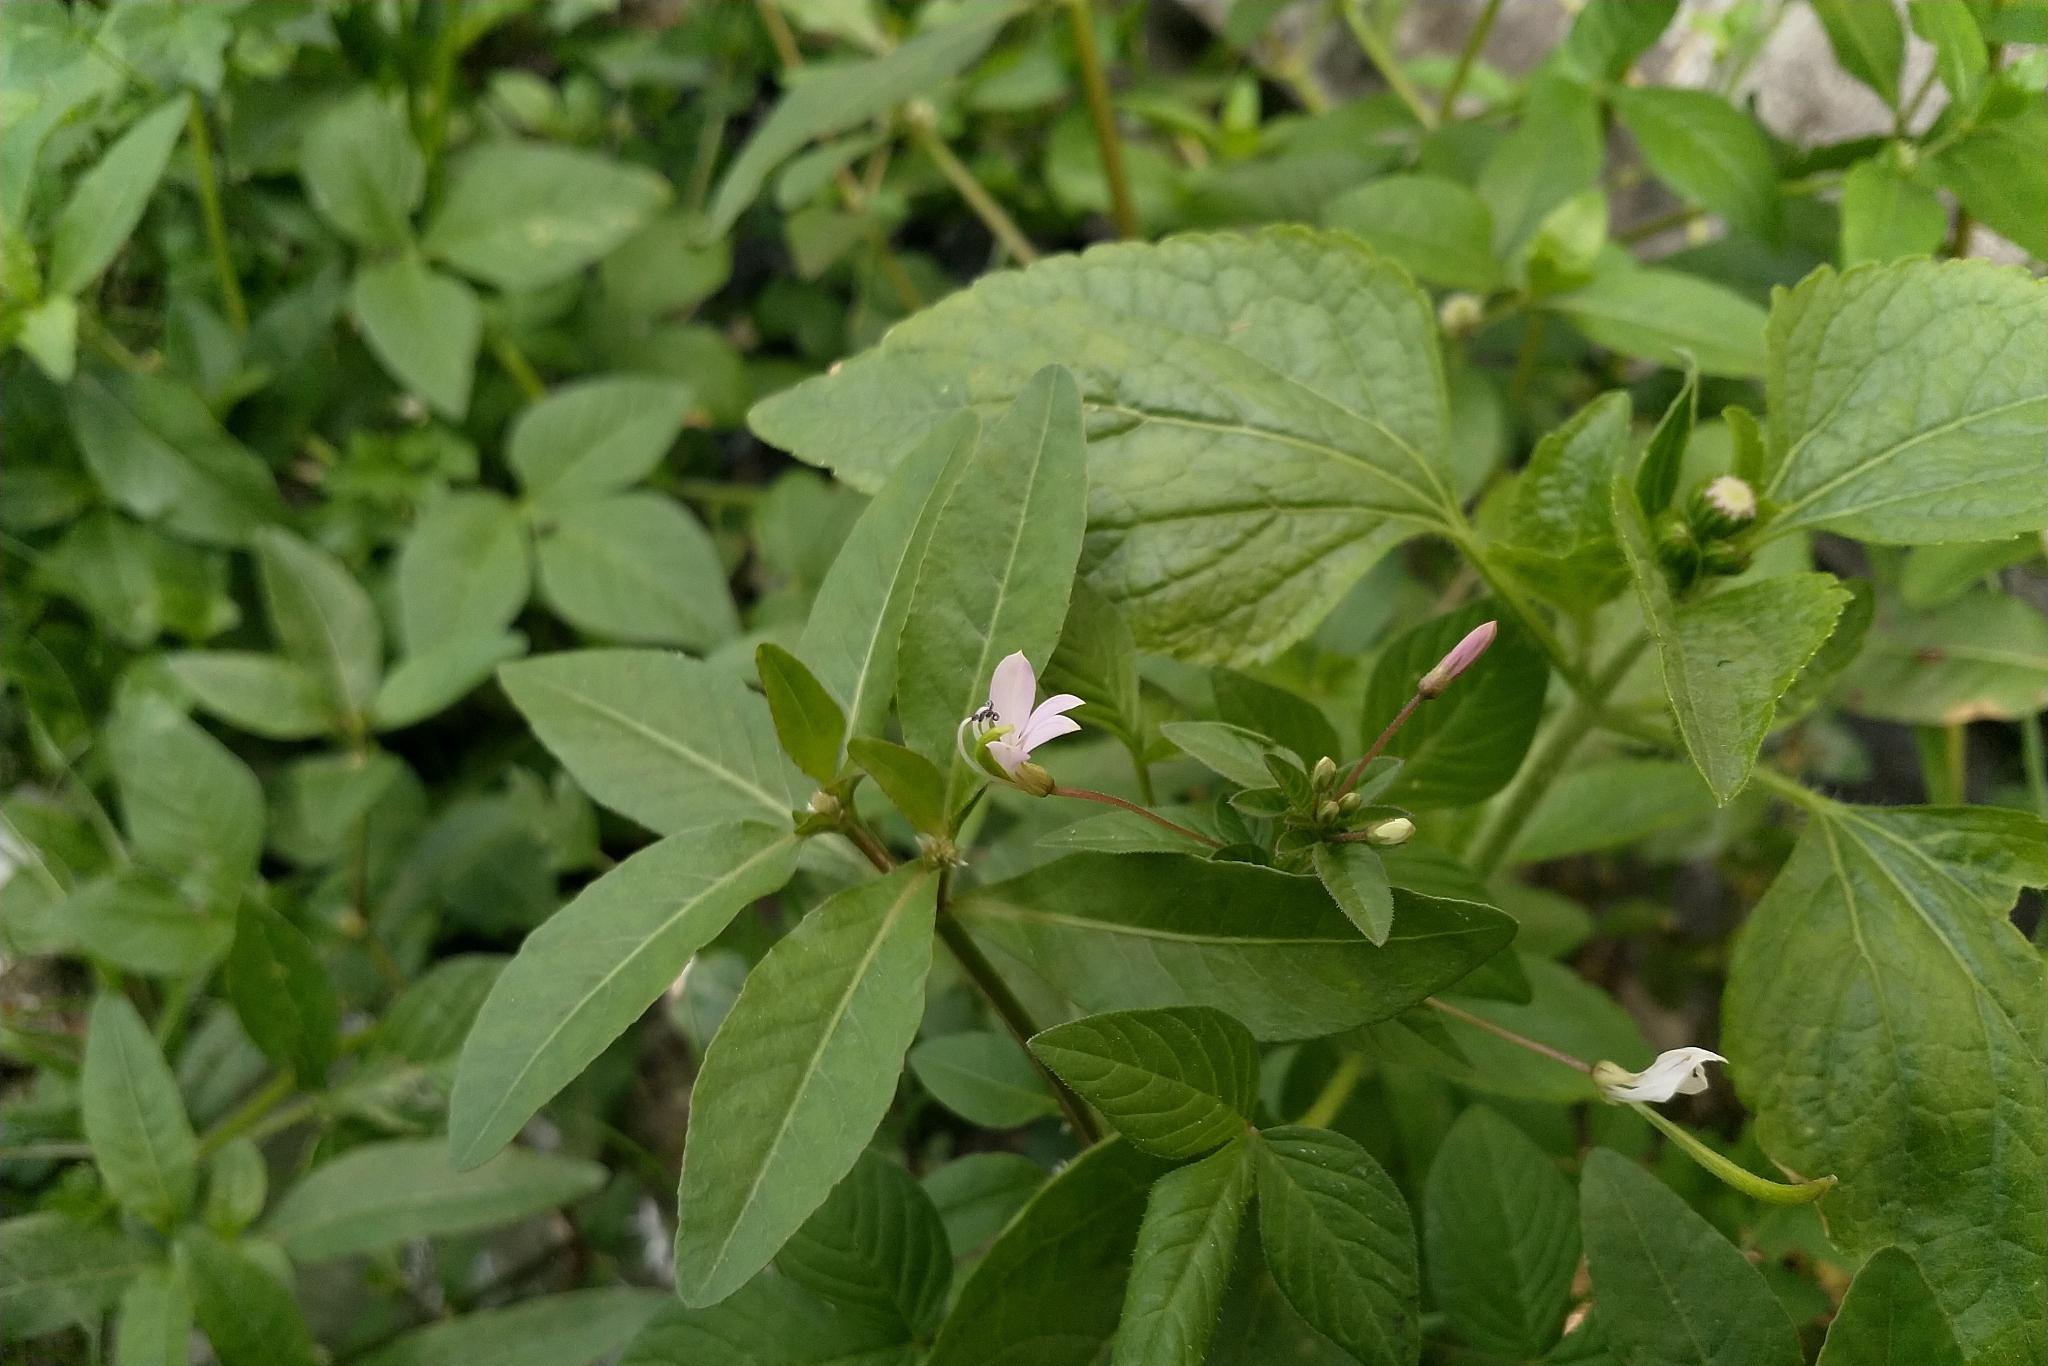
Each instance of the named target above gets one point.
<point>1942,767</point>
<point>1329,1101</point>
<point>1100,111</point>
<point>1474,40</point>
<point>216,223</point>
<point>1088,794</point>
<point>247,1115</point>
<point>1741,1178</point>
<point>992,214</point>
<point>1374,44</point>
<point>1501,583</point>
<point>1526,357</point>
<point>1546,761</point>
<point>1143,771</point>
<point>518,367</point>
<point>1543,1050</point>
<point>2034,763</point>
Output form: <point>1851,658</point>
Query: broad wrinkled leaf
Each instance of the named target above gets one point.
<point>362,170</point>
<point>1707,149</point>
<point>522,215</point>
<point>1050,1291</point>
<point>462,569</point>
<point>1464,746</point>
<point>153,1324</point>
<point>1982,657</point>
<point>1000,565</point>
<point>1890,1318</point>
<point>1727,655</point>
<point>849,94</point>
<point>282,993</point>
<point>593,968</point>
<point>1887,214</point>
<point>1869,42</point>
<point>260,693</point>
<point>1885,1023</point>
<point>635,567</point>
<point>1174,1082</point>
<point>247,1314</point>
<point>1182,1262</point>
<point>382,1195</point>
<point>1996,171</point>
<point>1500,1230</point>
<point>133,1118</point>
<point>423,327</point>
<point>1559,526</point>
<point>1340,1243</point>
<point>1905,406</point>
<point>1140,931</point>
<point>667,741</point>
<point>55,1269</point>
<point>799,1076</point>
<point>1437,229</point>
<point>108,200</point>
<point>984,1078</point>
<point>1669,317</point>
<point>575,1328</point>
<point>1670,1287</point>
<point>1305,371</point>
<point>596,436</point>
<point>322,618</point>
<point>877,1246</point>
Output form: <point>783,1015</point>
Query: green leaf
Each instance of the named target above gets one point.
<point>1182,1262</point>
<point>574,1328</point>
<point>1500,1231</point>
<point>431,1018</point>
<point>1436,229</point>
<point>426,683</point>
<point>129,1105</point>
<point>1903,404</point>
<point>910,781</point>
<point>1887,214</point>
<point>1610,803</point>
<point>590,970</point>
<point>799,1076</point>
<point>1981,657</point>
<point>1124,832</point>
<point>524,215</point>
<point>1706,149</point>
<point>1608,35</point>
<point>1937,575</point>
<point>1287,717</point>
<point>237,1184</point>
<point>1671,1289</point>
<point>807,719</point>
<point>1668,317</point>
<point>769,1321</point>
<point>636,567</point>
<point>1340,1244</point>
<point>423,327</point>
<point>259,693</point>
<point>1869,42</point>
<point>136,922</point>
<point>1730,655</point>
<point>876,1245</point>
<point>1097,661</point>
<point>1921,1052</point>
<point>596,436</point>
<point>1664,455</point>
<point>1890,1318</point>
<point>856,620</point>
<point>1138,931</point>
<point>49,336</point>
<point>1351,872</point>
<point>1175,1082</point>
<point>1959,52</point>
<point>322,618</point>
<point>282,994</point>
<point>667,741</point>
<point>462,569</point>
<point>108,200</point>
<point>976,1195</point>
<point>1232,751</point>
<point>1551,156</point>
<point>983,1078</point>
<point>191,809</point>
<point>382,1195</point>
<point>1306,370</point>
<point>846,96</point>
<point>153,1325</point>
<point>363,172</point>
<point>1560,527</point>
<point>246,1312</point>
<point>1000,565</point>
<point>1051,1289</point>
<point>1464,746</point>
<point>57,1269</point>
<point>1997,171</point>
<point>158,453</point>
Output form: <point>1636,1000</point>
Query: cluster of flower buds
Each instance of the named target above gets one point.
<point>1334,810</point>
<point>1702,541</point>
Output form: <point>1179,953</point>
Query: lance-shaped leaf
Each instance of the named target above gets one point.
<point>1351,872</point>
<point>1340,1243</point>
<point>382,1195</point>
<point>1500,1227</point>
<point>570,1329</point>
<point>133,1117</point>
<point>247,1313</point>
<point>109,199</point>
<point>1461,747</point>
<point>876,1245</point>
<point>322,618</point>
<point>769,1313</point>
<point>1050,1290</point>
<point>590,971</point>
<point>1890,1318</point>
<point>56,1269</point>
<point>798,1077</point>
<point>282,993</point>
<point>1232,751</point>
<point>1729,656</point>
<point>808,720</point>
<point>1237,491</point>
<point>670,742</point>
<point>1869,42</point>
<point>595,437</point>
<point>996,576</point>
<point>1137,931</point>
<point>1175,1082</point>
<point>1670,1288</point>
<point>153,1324</point>
<point>1906,405</point>
<point>1182,1262</point>
<point>1884,1019</point>
<point>190,808</point>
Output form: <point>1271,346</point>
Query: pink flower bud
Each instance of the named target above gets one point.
<point>1458,660</point>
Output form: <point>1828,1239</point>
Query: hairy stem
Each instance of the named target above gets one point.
<point>1096,84</point>
<point>1087,794</point>
<point>1520,1041</point>
<point>1393,726</point>
<point>216,223</point>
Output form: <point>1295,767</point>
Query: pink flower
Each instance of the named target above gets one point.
<point>1461,658</point>
<point>1017,726</point>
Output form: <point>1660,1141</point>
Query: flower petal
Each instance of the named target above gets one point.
<point>1010,757</point>
<point>1034,732</point>
<point>1051,728</point>
<point>1012,689</point>
<point>1679,1072</point>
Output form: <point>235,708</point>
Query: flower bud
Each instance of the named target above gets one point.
<point>1395,831</point>
<point>1461,658</point>
<point>1349,803</point>
<point>824,804</point>
<point>1029,777</point>
<point>1724,559</point>
<point>1326,811</point>
<point>1459,313</point>
<point>1324,774</point>
<point>1722,507</point>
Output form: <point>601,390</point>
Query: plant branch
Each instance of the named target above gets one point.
<point>1474,41</point>
<point>992,214</point>
<point>1103,114</point>
<point>1393,726</point>
<point>1520,1041</point>
<point>1087,794</point>
<point>1374,44</point>
<point>1741,1178</point>
<point>245,1116</point>
<point>2034,763</point>
<point>216,223</point>
<point>518,367</point>
<point>1329,1101</point>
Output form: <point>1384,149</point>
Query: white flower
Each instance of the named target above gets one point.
<point>1733,498</point>
<point>1010,726</point>
<point>1680,1072</point>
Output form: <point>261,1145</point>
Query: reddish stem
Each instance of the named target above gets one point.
<point>1400,720</point>
<point>1090,795</point>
